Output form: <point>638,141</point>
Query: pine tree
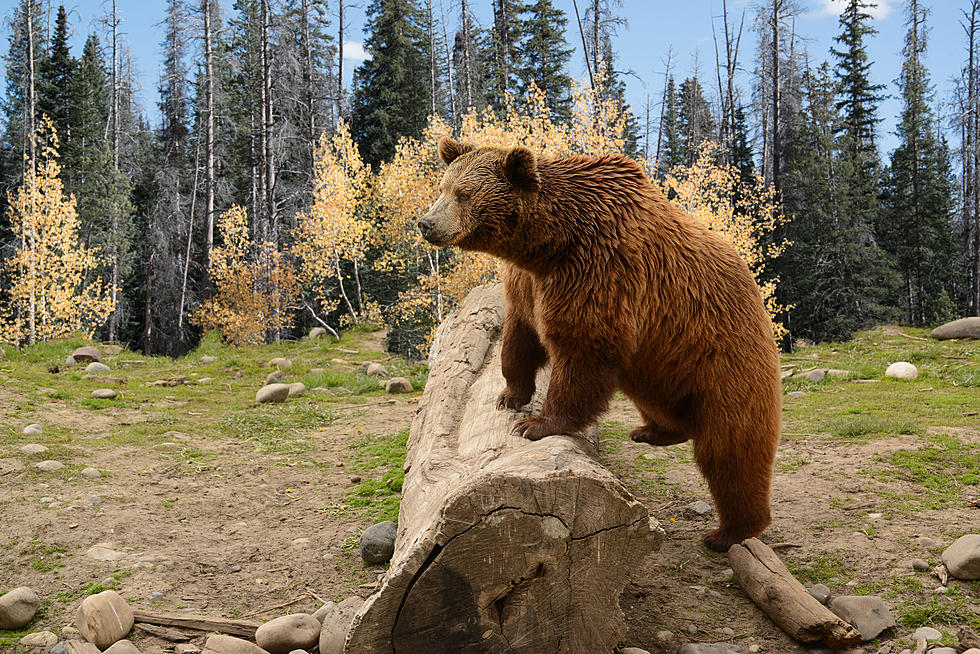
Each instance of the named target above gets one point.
<point>673,143</point>
<point>54,98</point>
<point>696,122</point>
<point>88,113</point>
<point>502,48</point>
<point>469,61</point>
<point>916,227</point>
<point>391,98</point>
<point>544,56</point>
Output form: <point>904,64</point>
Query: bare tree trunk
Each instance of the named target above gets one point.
<point>432,58</point>
<point>114,317</point>
<point>777,6</point>
<point>268,152</point>
<point>585,49</point>
<point>467,63</point>
<point>663,108</point>
<point>308,83</point>
<point>30,108</point>
<point>449,65</point>
<point>190,234</point>
<point>340,59</point>
<point>209,175</point>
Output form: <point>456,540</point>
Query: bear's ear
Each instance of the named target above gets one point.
<point>521,169</point>
<point>450,149</point>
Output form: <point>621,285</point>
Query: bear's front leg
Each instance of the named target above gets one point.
<point>520,357</point>
<point>580,388</point>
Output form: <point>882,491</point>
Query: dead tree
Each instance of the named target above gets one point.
<point>504,545</point>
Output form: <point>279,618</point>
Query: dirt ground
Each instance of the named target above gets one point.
<point>213,526</point>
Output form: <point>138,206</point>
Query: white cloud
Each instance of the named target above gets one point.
<point>354,50</point>
<point>834,7</point>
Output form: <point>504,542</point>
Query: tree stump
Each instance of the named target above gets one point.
<point>504,545</point>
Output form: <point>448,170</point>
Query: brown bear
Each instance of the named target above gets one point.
<point>620,289</point>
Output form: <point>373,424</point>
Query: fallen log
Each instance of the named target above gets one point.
<point>504,545</point>
<point>764,578</point>
<point>245,628</point>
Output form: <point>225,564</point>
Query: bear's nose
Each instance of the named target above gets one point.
<point>425,226</point>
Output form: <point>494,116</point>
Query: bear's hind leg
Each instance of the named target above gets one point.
<point>521,355</point>
<point>738,470</point>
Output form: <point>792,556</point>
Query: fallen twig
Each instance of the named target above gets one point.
<point>278,606</point>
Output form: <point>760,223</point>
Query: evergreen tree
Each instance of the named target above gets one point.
<point>502,64</point>
<point>695,120</point>
<point>391,98</point>
<point>544,56</point>
<point>916,227</point>
<point>673,143</point>
<point>600,24</point>
<point>54,97</point>
<point>468,62</point>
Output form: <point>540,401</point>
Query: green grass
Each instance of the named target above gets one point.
<point>954,609</point>
<point>943,466</point>
<point>378,497</point>
<point>821,569</point>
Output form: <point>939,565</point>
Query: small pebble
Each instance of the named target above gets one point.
<point>91,473</point>
<point>728,631</point>
<point>926,542</point>
<point>692,628</point>
<point>920,564</point>
<point>820,592</point>
<point>942,590</point>
<point>928,633</point>
<point>236,568</point>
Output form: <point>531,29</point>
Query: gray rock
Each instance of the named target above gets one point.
<point>274,377</point>
<point>49,466</point>
<point>962,558</point>
<point>376,370</point>
<point>18,607</point>
<point>902,370</point>
<point>60,648</point>
<point>816,375</point>
<point>378,542</point>
<point>323,611</point>
<point>221,644</point>
<point>32,449</point>
<point>187,648</point>
<point>926,542</point>
<point>288,632</point>
<point>920,564</point>
<point>207,358</point>
<point>91,473</point>
<point>103,553</point>
<point>337,624</point>
<point>155,595</point>
<point>122,647</point>
<point>317,332</point>
<point>398,385</point>
<point>633,650</point>
<point>297,389</point>
<point>104,394</point>
<point>236,568</point>
<point>47,500</point>
<point>111,349</point>
<point>972,650</point>
<point>70,361</point>
<point>699,507</point>
<point>96,368</point>
<point>275,393</point>
<point>87,353</point>
<point>40,639</point>
<point>692,628</point>
<point>104,619</point>
<point>942,590</point>
<point>709,648</point>
<point>962,328</point>
<point>820,593</point>
<point>33,428</point>
<point>728,631</point>
<point>868,614</point>
<point>795,394</point>
<point>928,633</point>
<point>281,362</point>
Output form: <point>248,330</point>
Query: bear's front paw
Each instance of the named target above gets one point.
<point>535,429</point>
<point>509,399</point>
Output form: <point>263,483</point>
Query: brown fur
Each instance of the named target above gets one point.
<point>620,289</point>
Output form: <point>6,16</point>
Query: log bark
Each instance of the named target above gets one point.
<point>504,545</point>
<point>764,578</point>
<point>244,628</point>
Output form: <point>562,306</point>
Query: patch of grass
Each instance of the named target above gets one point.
<point>864,428</point>
<point>820,569</point>
<point>46,557</point>
<point>942,468</point>
<point>280,428</point>
<point>950,610</point>
<point>378,498</point>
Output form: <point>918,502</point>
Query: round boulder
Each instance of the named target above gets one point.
<point>96,368</point>
<point>122,647</point>
<point>317,332</point>
<point>288,632</point>
<point>221,644</point>
<point>274,377</point>
<point>337,623</point>
<point>49,466</point>
<point>18,607</point>
<point>33,429</point>
<point>40,639</point>
<point>104,394</point>
<point>104,618</point>
<point>962,328</point>
<point>86,354</point>
<point>902,370</point>
<point>399,385</point>
<point>273,393</point>
<point>375,369</point>
<point>962,558</point>
<point>281,362</point>
<point>378,542</point>
<point>297,389</point>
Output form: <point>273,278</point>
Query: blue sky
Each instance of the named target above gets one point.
<point>653,27</point>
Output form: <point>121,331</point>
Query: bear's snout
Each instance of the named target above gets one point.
<point>426,225</point>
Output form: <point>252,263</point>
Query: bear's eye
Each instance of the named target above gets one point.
<point>462,197</point>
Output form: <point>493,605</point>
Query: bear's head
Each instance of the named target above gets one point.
<point>484,197</point>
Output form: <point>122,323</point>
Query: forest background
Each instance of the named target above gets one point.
<point>265,193</point>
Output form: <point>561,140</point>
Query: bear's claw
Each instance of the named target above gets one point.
<point>534,429</point>
<point>511,400</point>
